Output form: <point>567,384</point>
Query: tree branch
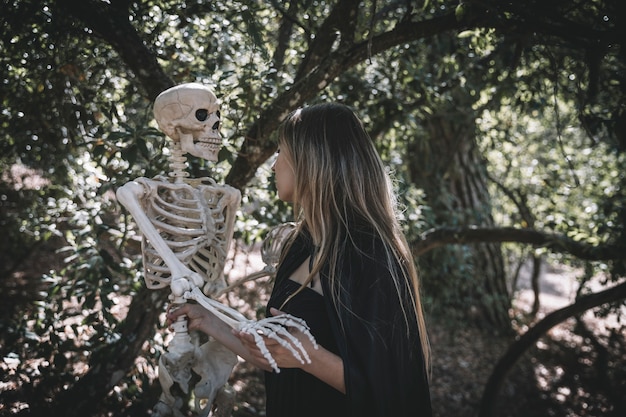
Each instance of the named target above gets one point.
<point>111,24</point>
<point>256,149</point>
<point>343,19</point>
<point>558,243</point>
<point>282,39</point>
<point>517,349</point>
<point>522,19</point>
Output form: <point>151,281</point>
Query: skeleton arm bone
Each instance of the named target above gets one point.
<point>267,271</point>
<point>270,252</point>
<point>130,195</point>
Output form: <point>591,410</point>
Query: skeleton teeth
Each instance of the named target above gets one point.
<point>211,143</point>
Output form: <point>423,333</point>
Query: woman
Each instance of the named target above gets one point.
<point>348,272</point>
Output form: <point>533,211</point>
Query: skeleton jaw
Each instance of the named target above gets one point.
<point>201,147</point>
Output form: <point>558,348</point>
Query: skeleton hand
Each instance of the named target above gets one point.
<point>280,341</point>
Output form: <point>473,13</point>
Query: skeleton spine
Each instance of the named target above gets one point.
<point>178,163</point>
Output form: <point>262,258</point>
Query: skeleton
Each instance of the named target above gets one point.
<point>187,225</point>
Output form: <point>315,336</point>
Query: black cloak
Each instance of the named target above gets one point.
<point>384,369</point>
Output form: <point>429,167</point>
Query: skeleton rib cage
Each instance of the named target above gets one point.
<point>192,220</point>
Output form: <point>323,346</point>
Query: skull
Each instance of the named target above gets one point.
<point>189,113</point>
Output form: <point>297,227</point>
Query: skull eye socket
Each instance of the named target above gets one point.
<point>202,114</point>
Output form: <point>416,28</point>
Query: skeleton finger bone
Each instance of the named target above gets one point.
<point>279,326</point>
<point>278,332</point>
<point>260,343</point>
<point>282,336</point>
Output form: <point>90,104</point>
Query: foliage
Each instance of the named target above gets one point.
<point>78,79</point>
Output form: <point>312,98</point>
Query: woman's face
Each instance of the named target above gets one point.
<point>285,176</point>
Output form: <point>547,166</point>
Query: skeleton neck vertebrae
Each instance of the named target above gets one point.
<point>178,163</point>
<point>187,226</point>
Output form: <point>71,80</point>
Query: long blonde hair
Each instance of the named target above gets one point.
<point>339,177</point>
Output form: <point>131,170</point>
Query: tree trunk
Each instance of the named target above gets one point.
<point>468,280</point>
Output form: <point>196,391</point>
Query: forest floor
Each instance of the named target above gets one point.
<point>576,369</point>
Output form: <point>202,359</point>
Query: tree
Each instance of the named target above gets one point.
<point>79,77</point>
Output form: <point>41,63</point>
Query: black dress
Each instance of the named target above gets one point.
<point>384,368</point>
<point>293,392</point>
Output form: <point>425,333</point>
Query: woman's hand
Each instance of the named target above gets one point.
<point>325,365</point>
<point>198,317</point>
